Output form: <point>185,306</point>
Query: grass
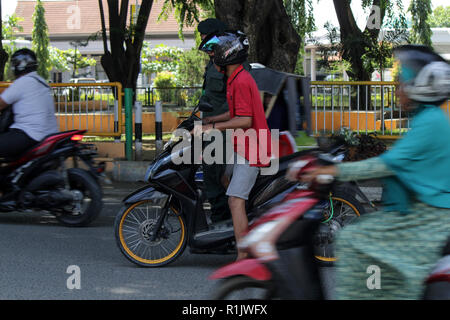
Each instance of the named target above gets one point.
<point>145,138</point>
<point>303,140</point>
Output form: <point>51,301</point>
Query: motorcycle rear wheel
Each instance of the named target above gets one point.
<point>81,181</point>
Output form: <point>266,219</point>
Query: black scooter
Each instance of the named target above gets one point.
<point>157,221</point>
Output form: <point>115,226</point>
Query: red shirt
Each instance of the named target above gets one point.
<point>244,100</point>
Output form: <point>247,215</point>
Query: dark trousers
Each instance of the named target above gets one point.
<point>214,189</point>
<point>14,142</point>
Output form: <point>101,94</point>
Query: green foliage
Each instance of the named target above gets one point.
<point>360,146</point>
<point>362,48</point>
<point>9,28</point>
<point>163,81</point>
<point>161,58</point>
<point>421,29</point>
<point>186,66</point>
<point>64,60</point>
<point>187,12</point>
<point>301,14</point>
<point>40,39</point>
<point>440,17</point>
<point>330,51</point>
<point>302,17</point>
<point>192,67</point>
<point>379,54</point>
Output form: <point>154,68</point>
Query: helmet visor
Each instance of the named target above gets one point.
<point>209,43</point>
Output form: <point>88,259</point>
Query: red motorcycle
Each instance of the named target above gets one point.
<point>282,262</point>
<point>41,180</point>
<point>438,282</point>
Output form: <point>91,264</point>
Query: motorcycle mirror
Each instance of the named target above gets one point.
<point>205,107</point>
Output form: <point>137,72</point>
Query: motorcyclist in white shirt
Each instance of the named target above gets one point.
<point>32,103</point>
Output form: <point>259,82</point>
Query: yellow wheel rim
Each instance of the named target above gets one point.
<point>138,258</point>
<point>332,259</point>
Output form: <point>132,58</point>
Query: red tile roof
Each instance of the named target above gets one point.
<point>59,17</point>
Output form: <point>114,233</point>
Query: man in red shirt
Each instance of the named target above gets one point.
<point>250,137</point>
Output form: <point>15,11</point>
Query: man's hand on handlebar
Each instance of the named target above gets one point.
<point>200,129</point>
<point>207,120</point>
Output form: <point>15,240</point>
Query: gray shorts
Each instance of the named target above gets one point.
<point>243,177</point>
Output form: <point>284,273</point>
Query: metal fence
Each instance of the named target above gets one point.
<point>173,99</point>
<point>360,106</point>
<point>364,106</point>
<point>92,106</point>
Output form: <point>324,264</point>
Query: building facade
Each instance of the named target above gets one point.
<point>71,22</point>
<point>440,41</point>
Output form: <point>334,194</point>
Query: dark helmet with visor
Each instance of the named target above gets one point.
<point>229,47</point>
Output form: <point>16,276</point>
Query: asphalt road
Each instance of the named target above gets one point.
<point>39,259</point>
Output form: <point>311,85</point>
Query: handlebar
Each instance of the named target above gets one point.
<point>325,179</point>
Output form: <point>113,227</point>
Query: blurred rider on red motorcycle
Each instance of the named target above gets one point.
<point>400,244</point>
<point>32,104</point>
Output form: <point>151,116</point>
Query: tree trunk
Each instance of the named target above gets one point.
<point>273,40</point>
<point>122,64</point>
<point>354,41</point>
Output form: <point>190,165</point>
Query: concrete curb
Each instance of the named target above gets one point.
<point>129,171</point>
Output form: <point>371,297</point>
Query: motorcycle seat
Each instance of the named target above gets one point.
<point>263,180</point>
<point>37,145</point>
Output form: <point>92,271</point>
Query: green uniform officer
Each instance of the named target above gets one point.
<point>214,92</point>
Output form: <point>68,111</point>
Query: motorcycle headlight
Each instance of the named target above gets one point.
<point>167,145</point>
<point>157,166</point>
<point>149,172</point>
<point>173,139</point>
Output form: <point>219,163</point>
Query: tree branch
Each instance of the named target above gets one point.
<point>141,24</point>
<point>123,14</point>
<point>102,19</point>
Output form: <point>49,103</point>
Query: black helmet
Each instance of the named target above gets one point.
<point>229,47</point>
<point>23,61</point>
<point>424,74</point>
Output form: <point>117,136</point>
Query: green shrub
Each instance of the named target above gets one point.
<point>165,81</point>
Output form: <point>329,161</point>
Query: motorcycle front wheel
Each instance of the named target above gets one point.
<point>342,210</point>
<point>135,229</point>
<point>244,288</point>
